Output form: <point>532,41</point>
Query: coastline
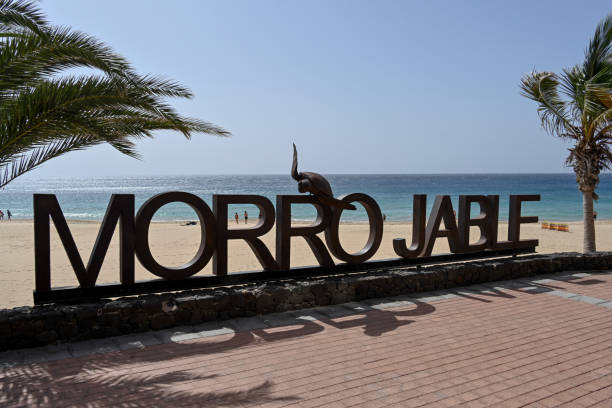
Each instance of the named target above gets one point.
<point>86,198</point>
<point>174,244</point>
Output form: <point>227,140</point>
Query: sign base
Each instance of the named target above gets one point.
<point>72,295</point>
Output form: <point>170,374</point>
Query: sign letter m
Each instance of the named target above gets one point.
<point>120,208</point>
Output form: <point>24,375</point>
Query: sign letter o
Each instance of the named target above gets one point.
<point>207,239</point>
<point>332,236</point>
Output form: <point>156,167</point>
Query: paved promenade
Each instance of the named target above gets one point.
<point>539,343</point>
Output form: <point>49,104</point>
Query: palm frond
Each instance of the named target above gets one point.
<point>598,52</point>
<point>542,87</point>
<point>25,60</point>
<point>39,155</point>
<point>44,114</point>
<point>63,106</point>
<point>18,15</point>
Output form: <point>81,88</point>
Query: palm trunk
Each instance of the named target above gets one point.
<point>589,221</point>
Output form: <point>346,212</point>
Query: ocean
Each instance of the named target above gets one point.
<point>87,198</point>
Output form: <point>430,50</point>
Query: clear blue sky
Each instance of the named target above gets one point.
<point>361,87</point>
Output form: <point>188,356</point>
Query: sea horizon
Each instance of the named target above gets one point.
<point>86,198</point>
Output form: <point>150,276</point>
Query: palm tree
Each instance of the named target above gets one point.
<point>576,105</point>
<point>46,112</point>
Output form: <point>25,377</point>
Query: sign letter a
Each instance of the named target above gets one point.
<point>121,207</point>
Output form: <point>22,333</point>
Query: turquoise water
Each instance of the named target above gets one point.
<point>87,198</point>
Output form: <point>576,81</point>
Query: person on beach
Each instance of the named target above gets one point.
<point>246,217</point>
<point>1,215</point>
<point>594,215</point>
<point>384,217</point>
<point>8,214</point>
<point>236,217</point>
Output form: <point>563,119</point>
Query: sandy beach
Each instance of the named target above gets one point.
<point>173,244</point>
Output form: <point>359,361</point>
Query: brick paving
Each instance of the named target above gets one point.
<point>539,343</point>
<point>596,285</point>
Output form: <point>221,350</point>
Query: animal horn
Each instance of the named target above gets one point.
<point>294,171</point>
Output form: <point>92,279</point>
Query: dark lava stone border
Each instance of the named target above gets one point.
<point>39,325</point>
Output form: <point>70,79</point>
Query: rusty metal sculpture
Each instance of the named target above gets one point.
<point>317,185</point>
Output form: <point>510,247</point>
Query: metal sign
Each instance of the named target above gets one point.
<point>215,234</point>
